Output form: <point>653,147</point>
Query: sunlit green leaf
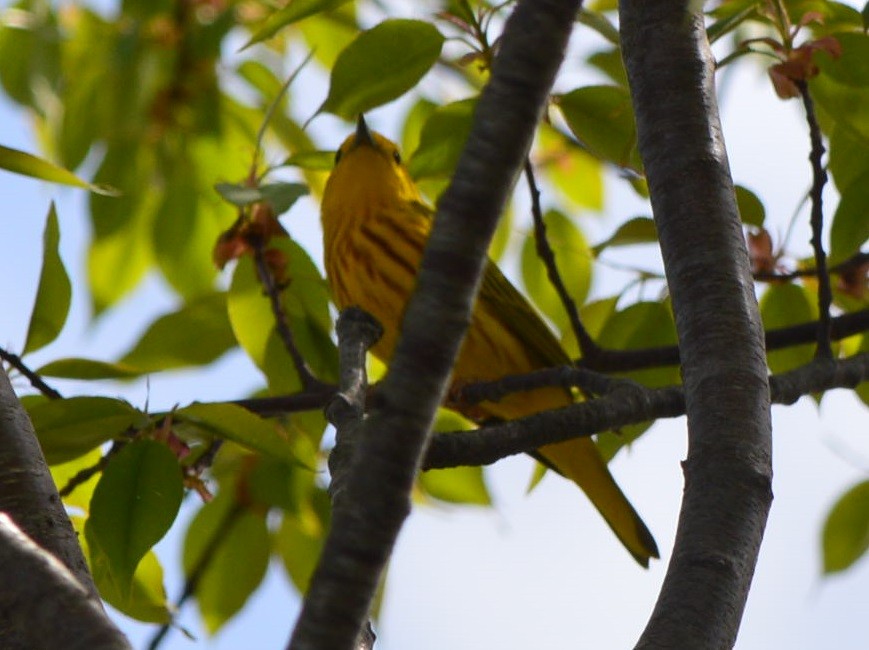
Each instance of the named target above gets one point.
<point>852,67</point>
<point>573,259</point>
<point>573,171</point>
<point>78,368</point>
<point>643,325</point>
<point>20,162</point>
<point>751,209</point>
<point>121,252</point>
<point>68,428</point>
<point>300,540</point>
<point>610,62</point>
<point>846,531</point>
<point>291,13</point>
<point>599,23</point>
<point>782,305</point>
<point>602,119</point>
<point>196,334</point>
<point>134,504</point>
<point>144,599</point>
<point>305,299</point>
<point>380,65</point>
<point>639,230</point>
<point>848,106</point>
<point>850,227</point>
<point>233,546</point>
<point>441,140</point>
<point>239,425</point>
<point>64,472</point>
<point>53,294</point>
<point>730,15</point>
<point>314,160</point>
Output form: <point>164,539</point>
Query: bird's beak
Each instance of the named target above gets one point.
<point>363,135</point>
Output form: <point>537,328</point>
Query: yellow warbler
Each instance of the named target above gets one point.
<point>375,224</point>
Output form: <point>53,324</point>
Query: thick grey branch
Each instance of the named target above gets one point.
<point>27,491</point>
<point>437,316</point>
<point>42,605</point>
<point>728,471</point>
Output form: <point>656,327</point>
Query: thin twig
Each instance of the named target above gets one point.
<point>267,279</point>
<point>854,262</point>
<point>35,380</point>
<point>199,569</point>
<point>587,346</point>
<point>819,179</point>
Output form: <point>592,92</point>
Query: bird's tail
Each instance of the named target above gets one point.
<point>580,461</point>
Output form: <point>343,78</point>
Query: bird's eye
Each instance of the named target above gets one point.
<point>337,156</point>
<point>396,157</point>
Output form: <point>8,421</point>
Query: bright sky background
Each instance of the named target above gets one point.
<point>538,571</point>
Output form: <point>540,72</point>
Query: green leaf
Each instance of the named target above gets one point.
<point>305,300</point>
<point>144,599</point>
<point>850,227</point>
<point>321,161</point>
<point>783,305</point>
<point>865,15</point>
<point>751,209</point>
<point>462,485</point>
<point>846,531</point>
<point>79,368</point>
<point>441,140</point>
<point>735,13</point>
<point>64,472</point>
<point>299,540</point>
<point>235,547</point>
<point>134,505</point>
<point>68,428</point>
<point>121,252</point>
<point>573,259</point>
<point>280,196</point>
<point>639,230</point>
<point>848,159</point>
<point>54,292</point>
<point>643,325</point>
<point>573,171</point>
<point>852,67</point>
<point>847,106</point>
<point>293,12</point>
<point>610,62</point>
<point>20,162</point>
<point>235,423</point>
<point>602,119</point>
<point>599,23</point>
<point>197,334</point>
<point>380,65</point>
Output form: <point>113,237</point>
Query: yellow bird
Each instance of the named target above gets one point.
<point>375,225</point>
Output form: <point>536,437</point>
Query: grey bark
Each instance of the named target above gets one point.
<point>728,470</point>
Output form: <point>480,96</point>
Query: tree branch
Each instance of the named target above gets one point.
<point>728,471</point>
<point>35,380</point>
<point>42,605</point>
<point>587,346</point>
<point>27,492</point>
<point>819,179</point>
<point>624,402</point>
<point>395,433</point>
<point>273,291</point>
